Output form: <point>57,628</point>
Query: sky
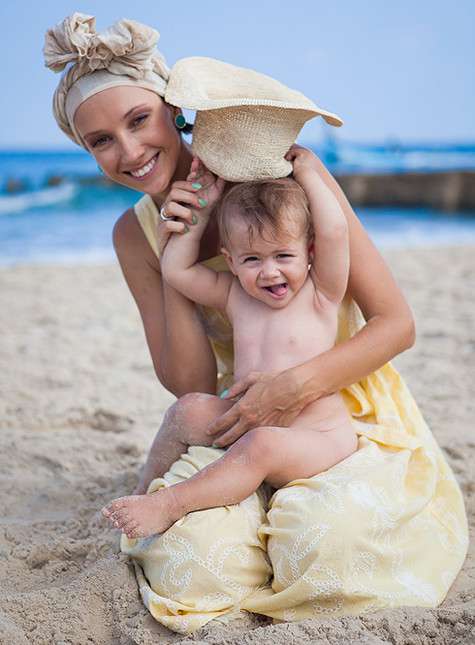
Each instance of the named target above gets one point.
<point>400,71</point>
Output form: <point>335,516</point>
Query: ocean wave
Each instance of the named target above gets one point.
<point>37,199</point>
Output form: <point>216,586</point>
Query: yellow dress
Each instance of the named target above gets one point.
<point>384,528</point>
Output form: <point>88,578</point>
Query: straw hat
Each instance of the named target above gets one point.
<point>245,121</point>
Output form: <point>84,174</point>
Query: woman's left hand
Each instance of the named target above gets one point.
<point>267,400</point>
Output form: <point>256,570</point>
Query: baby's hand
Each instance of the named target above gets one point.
<point>210,186</point>
<point>304,162</point>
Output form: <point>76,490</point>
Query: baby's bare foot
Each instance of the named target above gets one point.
<point>143,515</point>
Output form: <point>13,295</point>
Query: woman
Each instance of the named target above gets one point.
<point>392,492</point>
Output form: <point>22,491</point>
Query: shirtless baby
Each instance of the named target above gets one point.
<point>286,245</point>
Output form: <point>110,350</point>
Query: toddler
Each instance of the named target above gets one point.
<point>286,244</point>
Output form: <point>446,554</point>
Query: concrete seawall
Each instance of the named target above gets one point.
<point>447,191</point>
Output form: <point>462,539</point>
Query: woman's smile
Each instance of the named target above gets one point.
<point>144,171</point>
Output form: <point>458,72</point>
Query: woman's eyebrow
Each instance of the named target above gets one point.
<point>136,107</point>
<point>93,134</point>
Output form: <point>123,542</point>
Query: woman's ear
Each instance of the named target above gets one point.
<point>229,260</point>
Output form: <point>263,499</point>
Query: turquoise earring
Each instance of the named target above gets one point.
<point>100,169</point>
<point>180,121</point>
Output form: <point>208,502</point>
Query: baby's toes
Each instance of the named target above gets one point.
<point>113,519</point>
<point>121,519</point>
<point>107,511</point>
<point>132,530</point>
<point>120,502</point>
<point>113,506</point>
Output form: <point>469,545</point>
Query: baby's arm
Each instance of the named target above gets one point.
<point>179,260</point>
<point>181,269</point>
<point>331,254</point>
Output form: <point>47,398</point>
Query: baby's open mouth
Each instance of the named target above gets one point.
<point>278,290</point>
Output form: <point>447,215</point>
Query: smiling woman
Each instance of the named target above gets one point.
<point>133,138</point>
<point>117,99</point>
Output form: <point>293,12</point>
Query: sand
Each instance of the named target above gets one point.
<point>79,405</point>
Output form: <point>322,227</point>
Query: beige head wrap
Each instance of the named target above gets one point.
<point>124,54</point>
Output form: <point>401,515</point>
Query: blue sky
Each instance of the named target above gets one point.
<point>401,70</point>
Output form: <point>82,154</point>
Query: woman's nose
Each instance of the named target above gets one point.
<point>131,150</point>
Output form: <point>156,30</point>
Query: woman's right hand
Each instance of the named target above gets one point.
<point>212,185</point>
<point>188,202</point>
<point>180,204</point>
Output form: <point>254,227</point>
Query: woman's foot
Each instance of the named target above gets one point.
<point>143,515</point>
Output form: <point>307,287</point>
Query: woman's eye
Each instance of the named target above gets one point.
<point>139,120</point>
<point>251,258</point>
<point>285,255</point>
<point>100,142</point>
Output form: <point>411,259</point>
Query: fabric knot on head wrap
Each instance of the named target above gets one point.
<point>124,54</point>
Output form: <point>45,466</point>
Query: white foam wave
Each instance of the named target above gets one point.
<point>44,197</point>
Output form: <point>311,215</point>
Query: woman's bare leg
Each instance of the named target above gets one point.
<point>184,425</point>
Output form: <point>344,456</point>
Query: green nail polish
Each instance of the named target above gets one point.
<point>196,185</point>
<point>194,219</point>
<point>187,228</point>
<point>202,202</point>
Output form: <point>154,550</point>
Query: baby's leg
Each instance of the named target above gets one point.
<point>276,455</point>
<point>184,425</point>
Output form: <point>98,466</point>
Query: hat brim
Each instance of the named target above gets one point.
<point>329,117</point>
<point>203,84</point>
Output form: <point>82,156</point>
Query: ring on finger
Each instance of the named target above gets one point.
<point>163,215</point>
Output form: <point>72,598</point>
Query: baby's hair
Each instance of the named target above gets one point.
<point>276,205</point>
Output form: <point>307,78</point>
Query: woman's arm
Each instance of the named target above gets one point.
<point>180,350</point>
<point>390,325</point>
<point>278,399</point>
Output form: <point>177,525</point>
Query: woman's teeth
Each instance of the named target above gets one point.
<point>145,169</point>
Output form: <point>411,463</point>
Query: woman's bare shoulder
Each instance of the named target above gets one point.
<point>130,241</point>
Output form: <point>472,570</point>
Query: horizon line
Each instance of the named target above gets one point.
<point>388,142</point>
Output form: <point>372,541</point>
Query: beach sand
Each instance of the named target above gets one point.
<point>79,406</point>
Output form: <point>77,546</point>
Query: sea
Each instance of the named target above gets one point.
<point>54,208</point>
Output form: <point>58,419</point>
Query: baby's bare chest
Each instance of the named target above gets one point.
<point>267,339</point>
